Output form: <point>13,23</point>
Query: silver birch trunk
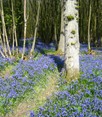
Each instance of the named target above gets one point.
<point>25,28</point>
<point>4,31</point>
<point>89,47</point>
<point>36,28</point>
<point>62,37</point>
<point>13,42</point>
<point>4,48</point>
<point>71,40</point>
<point>2,53</point>
<point>4,43</point>
<point>1,44</point>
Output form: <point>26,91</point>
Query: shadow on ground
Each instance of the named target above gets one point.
<point>59,60</point>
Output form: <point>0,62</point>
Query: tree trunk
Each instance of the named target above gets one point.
<point>62,38</point>
<point>89,47</point>
<point>71,40</point>
<point>1,44</point>
<point>14,29</point>
<point>13,43</point>
<point>4,43</point>
<point>25,28</point>
<point>55,37</point>
<point>101,42</point>
<point>2,53</point>
<point>5,38</point>
<point>36,28</point>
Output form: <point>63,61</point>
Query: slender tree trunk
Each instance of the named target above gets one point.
<point>4,30</point>
<point>36,28</point>
<point>89,40</point>
<point>15,34</point>
<point>95,26</point>
<point>4,43</point>
<point>1,44</point>
<point>2,53</point>
<point>14,29</point>
<point>101,41</point>
<point>25,28</point>
<point>71,40</point>
<point>62,37</point>
<point>3,34</point>
<point>55,30</point>
<point>13,42</point>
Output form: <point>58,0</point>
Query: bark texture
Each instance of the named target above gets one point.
<point>5,37</point>
<point>71,40</point>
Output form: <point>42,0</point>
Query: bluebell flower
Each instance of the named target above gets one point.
<point>31,113</point>
<point>12,94</point>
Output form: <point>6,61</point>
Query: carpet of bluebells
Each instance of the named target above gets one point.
<point>81,98</point>
<point>24,76</point>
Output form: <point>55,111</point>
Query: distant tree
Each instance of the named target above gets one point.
<point>36,28</point>
<point>25,28</point>
<point>89,20</point>
<point>90,13</point>
<point>14,33</point>
<point>49,23</point>
<point>62,37</point>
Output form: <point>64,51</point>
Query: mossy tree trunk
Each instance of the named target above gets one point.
<point>71,40</point>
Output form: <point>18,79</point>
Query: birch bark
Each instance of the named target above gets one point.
<point>5,37</point>
<point>71,40</point>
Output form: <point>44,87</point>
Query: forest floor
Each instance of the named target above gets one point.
<point>34,101</point>
<point>38,88</point>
